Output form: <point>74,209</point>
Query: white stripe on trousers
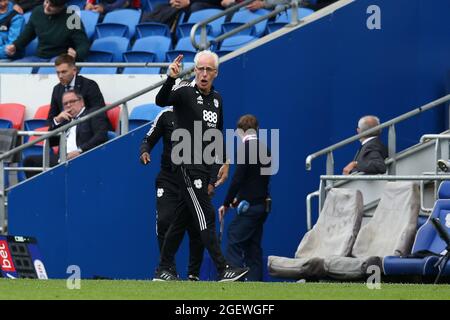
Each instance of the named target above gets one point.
<point>197,206</point>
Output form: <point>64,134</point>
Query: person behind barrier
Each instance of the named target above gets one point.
<point>11,24</point>
<point>249,192</point>
<point>57,31</point>
<point>196,105</point>
<point>69,79</point>
<point>80,138</point>
<point>370,157</point>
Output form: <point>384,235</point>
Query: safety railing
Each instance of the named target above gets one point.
<point>330,179</point>
<point>391,137</point>
<point>46,135</point>
<point>89,64</point>
<point>205,43</point>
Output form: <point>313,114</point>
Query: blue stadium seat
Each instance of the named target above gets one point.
<point>111,135</point>
<point>184,46</point>
<point>142,114</point>
<point>46,70</point>
<point>152,29</point>
<point>32,124</point>
<point>31,48</point>
<point>216,25</point>
<point>284,18</point>
<point>16,70</point>
<point>5,124</point>
<point>233,43</point>
<point>243,16</point>
<point>90,20</point>
<point>98,70</point>
<point>114,45</point>
<point>426,239</point>
<point>158,45</point>
<point>139,56</point>
<point>112,21</point>
<point>184,30</point>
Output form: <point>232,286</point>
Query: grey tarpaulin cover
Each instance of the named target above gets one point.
<point>389,232</point>
<point>333,234</point>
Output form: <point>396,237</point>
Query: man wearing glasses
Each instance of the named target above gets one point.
<point>80,138</point>
<point>69,79</point>
<point>57,32</point>
<point>197,107</point>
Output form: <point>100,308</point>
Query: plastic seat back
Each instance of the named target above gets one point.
<point>14,112</point>
<point>149,29</point>
<point>90,20</point>
<point>127,17</point>
<point>114,45</point>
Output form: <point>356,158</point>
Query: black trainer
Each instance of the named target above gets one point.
<point>193,277</point>
<point>233,274</point>
<point>165,275</point>
<point>443,165</point>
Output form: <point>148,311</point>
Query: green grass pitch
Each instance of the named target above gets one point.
<point>184,290</point>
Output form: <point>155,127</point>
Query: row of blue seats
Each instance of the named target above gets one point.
<point>423,261</point>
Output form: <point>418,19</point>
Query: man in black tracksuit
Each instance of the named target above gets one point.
<point>197,107</point>
<point>167,190</point>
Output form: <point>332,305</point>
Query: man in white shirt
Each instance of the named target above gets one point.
<point>80,138</point>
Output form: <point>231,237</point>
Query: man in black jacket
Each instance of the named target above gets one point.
<point>80,138</point>
<point>249,184</point>
<point>57,32</point>
<point>370,156</point>
<point>197,108</point>
<point>70,80</point>
<point>168,190</point>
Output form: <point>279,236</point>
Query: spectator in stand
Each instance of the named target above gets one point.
<point>69,79</point>
<point>271,4</point>
<point>168,13</point>
<point>50,23</point>
<point>11,24</point>
<point>372,152</point>
<point>105,6</point>
<point>22,6</point>
<point>80,138</point>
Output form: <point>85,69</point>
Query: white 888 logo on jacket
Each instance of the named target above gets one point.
<point>209,116</point>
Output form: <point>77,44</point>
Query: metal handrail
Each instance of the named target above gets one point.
<point>89,64</point>
<point>389,123</point>
<point>88,116</point>
<point>204,41</point>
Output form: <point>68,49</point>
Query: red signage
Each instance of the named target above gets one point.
<point>6,263</point>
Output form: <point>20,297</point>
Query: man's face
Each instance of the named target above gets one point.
<point>65,73</point>
<point>3,5</point>
<point>50,9</point>
<point>72,103</point>
<point>205,73</point>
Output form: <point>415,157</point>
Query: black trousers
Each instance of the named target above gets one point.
<point>194,206</point>
<point>167,192</point>
<point>244,241</point>
<point>36,161</point>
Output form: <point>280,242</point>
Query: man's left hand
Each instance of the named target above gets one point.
<point>72,52</point>
<point>348,168</point>
<point>222,175</point>
<point>73,154</point>
<point>255,5</point>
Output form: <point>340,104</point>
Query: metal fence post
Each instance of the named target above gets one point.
<point>392,139</point>
<point>3,196</point>
<point>124,119</point>
<point>330,167</point>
